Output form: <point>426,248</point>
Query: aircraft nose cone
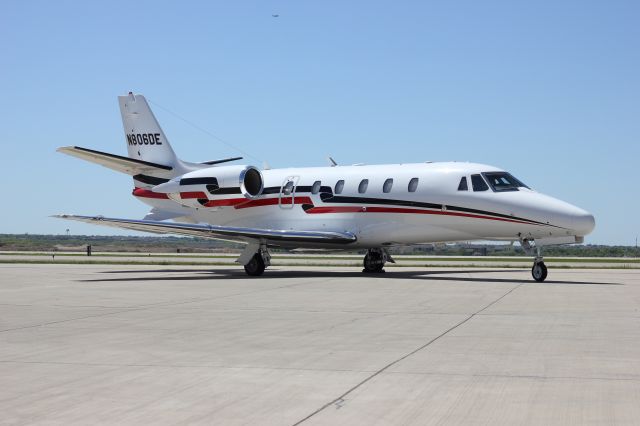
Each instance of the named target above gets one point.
<point>583,223</point>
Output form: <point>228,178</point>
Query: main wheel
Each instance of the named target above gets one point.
<point>539,271</point>
<point>373,263</point>
<point>255,267</point>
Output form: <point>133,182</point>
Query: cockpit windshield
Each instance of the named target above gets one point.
<point>503,181</point>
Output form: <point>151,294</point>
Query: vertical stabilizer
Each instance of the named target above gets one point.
<point>145,139</point>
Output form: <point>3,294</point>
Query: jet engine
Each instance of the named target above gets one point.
<point>214,186</point>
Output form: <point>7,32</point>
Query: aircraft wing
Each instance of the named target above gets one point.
<point>218,232</point>
<point>127,165</point>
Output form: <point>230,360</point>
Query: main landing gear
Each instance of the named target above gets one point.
<point>255,259</point>
<point>375,259</point>
<point>539,269</point>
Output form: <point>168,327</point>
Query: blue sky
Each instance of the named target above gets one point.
<point>547,90</point>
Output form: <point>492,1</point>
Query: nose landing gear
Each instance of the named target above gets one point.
<point>375,259</point>
<point>539,269</point>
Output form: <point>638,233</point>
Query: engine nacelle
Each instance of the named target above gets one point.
<point>214,186</point>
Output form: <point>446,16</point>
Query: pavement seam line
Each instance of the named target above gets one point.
<point>402,358</point>
<point>153,305</point>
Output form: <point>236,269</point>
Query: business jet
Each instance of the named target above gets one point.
<point>372,207</point>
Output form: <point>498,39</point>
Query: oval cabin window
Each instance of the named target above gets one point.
<point>388,184</point>
<point>413,185</point>
<point>362,188</point>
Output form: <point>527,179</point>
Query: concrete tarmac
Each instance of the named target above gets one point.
<point>87,344</point>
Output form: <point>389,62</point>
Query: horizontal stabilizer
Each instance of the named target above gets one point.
<point>224,160</point>
<point>219,232</point>
<point>127,165</point>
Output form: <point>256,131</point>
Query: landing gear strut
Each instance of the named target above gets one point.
<point>375,259</point>
<point>539,269</point>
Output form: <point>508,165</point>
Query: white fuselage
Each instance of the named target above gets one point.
<point>383,215</point>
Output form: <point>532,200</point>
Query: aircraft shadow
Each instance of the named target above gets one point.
<point>270,274</point>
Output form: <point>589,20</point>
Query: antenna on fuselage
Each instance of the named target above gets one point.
<point>331,161</point>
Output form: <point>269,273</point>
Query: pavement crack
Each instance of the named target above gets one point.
<point>340,400</point>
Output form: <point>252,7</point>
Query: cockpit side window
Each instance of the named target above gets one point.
<point>463,184</point>
<point>503,181</point>
<point>478,183</point>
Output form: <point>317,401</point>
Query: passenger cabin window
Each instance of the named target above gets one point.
<point>388,184</point>
<point>339,187</point>
<point>478,183</point>
<point>316,187</point>
<point>288,188</point>
<point>463,184</point>
<point>413,185</point>
<point>503,181</point>
<point>362,188</point>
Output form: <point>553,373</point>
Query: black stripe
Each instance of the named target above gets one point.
<point>226,191</point>
<point>120,157</point>
<point>299,189</point>
<point>328,198</point>
<point>365,200</point>
<point>271,190</point>
<point>199,181</point>
<point>150,180</point>
<point>506,216</point>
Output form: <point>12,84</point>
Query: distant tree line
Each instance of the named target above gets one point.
<point>33,242</point>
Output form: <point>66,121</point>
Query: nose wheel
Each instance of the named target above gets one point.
<point>539,271</point>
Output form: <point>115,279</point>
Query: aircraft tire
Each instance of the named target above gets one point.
<point>256,266</point>
<point>372,264</point>
<point>539,271</point>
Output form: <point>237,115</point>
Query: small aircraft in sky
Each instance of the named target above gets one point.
<point>372,207</point>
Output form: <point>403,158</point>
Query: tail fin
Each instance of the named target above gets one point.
<point>145,139</point>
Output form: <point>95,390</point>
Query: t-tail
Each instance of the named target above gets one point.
<point>150,160</point>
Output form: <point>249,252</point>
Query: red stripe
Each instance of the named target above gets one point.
<point>244,203</point>
<point>193,194</point>
<point>145,193</point>
<point>226,202</point>
<point>356,209</point>
<point>274,201</point>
